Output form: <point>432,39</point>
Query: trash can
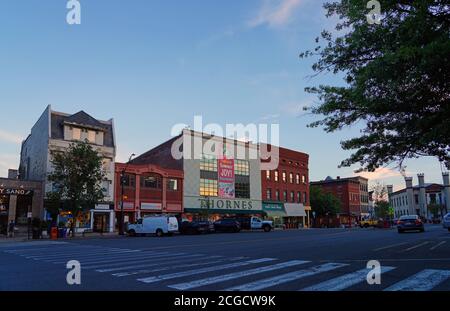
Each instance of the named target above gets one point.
<point>54,233</point>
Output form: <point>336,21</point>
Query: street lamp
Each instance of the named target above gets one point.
<point>122,185</point>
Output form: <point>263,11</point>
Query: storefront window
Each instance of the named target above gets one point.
<point>208,163</point>
<point>151,181</point>
<point>172,184</point>
<point>208,187</point>
<point>242,190</point>
<point>242,167</point>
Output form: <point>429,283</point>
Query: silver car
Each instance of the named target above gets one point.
<point>446,221</point>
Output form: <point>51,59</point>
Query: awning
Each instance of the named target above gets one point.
<point>294,210</point>
<point>273,209</point>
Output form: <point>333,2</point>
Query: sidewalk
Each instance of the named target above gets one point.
<point>79,236</point>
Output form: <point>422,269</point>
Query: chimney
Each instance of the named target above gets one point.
<point>390,189</point>
<point>422,211</point>
<point>410,195</point>
<point>445,179</point>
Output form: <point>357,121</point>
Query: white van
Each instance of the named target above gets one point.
<point>158,225</point>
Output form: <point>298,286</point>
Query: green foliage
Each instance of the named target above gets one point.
<point>323,203</point>
<point>382,209</point>
<point>396,80</point>
<point>434,209</point>
<point>78,175</point>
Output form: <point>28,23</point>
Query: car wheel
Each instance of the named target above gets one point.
<point>267,228</point>
<point>159,233</point>
<point>132,233</point>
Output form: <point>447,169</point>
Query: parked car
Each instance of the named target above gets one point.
<point>255,223</point>
<point>196,227</point>
<point>158,225</point>
<point>227,225</point>
<point>446,221</point>
<point>409,223</point>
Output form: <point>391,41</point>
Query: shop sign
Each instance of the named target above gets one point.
<point>273,207</point>
<point>226,178</point>
<point>151,206</point>
<point>9,191</point>
<point>102,206</point>
<point>223,204</point>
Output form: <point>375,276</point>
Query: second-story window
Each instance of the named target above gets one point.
<point>130,180</point>
<point>151,181</point>
<point>277,195</point>
<point>172,184</point>
<point>91,137</point>
<point>76,133</point>
<point>269,194</point>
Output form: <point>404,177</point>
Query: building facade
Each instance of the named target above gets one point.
<point>285,190</point>
<point>418,199</point>
<point>148,189</point>
<point>55,132</point>
<point>353,194</point>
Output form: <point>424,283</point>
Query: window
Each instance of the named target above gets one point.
<point>172,184</point>
<point>292,196</point>
<point>242,190</point>
<point>303,179</point>
<point>291,178</point>
<point>276,176</point>
<point>277,195</point>
<point>242,167</point>
<point>151,181</point>
<point>297,179</point>
<point>269,194</point>
<point>91,137</point>
<point>284,176</point>
<point>76,133</point>
<point>299,197</point>
<point>285,196</point>
<point>267,175</point>
<point>305,197</point>
<point>208,163</point>
<point>208,187</point>
<point>129,180</point>
<point>105,187</point>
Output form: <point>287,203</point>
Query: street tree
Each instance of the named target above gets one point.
<point>324,203</point>
<point>382,209</point>
<point>396,80</point>
<point>77,177</point>
<point>379,192</point>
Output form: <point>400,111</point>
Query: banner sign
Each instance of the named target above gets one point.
<point>225,169</point>
<point>8,191</point>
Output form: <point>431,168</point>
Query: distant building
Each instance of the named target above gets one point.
<point>415,200</point>
<point>353,194</point>
<point>55,131</point>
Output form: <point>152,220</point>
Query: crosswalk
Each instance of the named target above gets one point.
<point>184,271</point>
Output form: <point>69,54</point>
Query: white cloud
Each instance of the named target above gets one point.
<point>381,173</point>
<point>275,13</point>
<point>10,137</point>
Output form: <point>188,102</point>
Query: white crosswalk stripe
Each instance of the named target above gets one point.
<point>285,278</point>
<point>163,277</point>
<point>345,281</point>
<point>174,267</point>
<point>123,258</point>
<point>423,281</point>
<point>236,275</point>
<point>83,254</point>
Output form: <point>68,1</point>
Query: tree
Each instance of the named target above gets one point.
<point>53,205</point>
<point>379,192</point>
<point>324,203</point>
<point>434,209</point>
<point>78,175</point>
<point>382,209</point>
<point>396,80</point>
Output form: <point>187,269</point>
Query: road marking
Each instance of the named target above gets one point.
<point>128,273</point>
<point>236,275</point>
<point>389,246</point>
<point>125,259</point>
<point>437,245</point>
<point>423,281</point>
<point>344,281</point>
<point>288,277</point>
<point>142,265</point>
<point>163,277</point>
<point>415,246</point>
<point>84,253</point>
<point>101,258</point>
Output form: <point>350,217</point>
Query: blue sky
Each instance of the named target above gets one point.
<point>150,64</point>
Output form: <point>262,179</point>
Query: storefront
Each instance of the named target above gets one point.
<point>102,218</point>
<point>19,202</point>
<point>295,216</point>
<point>275,212</point>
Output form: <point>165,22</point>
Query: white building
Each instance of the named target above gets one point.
<point>415,200</point>
<point>55,131</point>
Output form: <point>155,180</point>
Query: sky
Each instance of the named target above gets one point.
<point>151,64</point>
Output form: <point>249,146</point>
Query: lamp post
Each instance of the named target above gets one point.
<point>122,185</point>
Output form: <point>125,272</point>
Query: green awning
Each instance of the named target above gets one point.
<point>274,209</point>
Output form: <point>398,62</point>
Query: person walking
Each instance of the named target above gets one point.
<point>11,227</point>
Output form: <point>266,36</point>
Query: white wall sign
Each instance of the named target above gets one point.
<point>102,206</point>
<point>151,206</point>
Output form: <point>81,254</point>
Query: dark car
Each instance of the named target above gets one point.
<point>227,225</point>
<point>410,223</point>
<point>196,227</point>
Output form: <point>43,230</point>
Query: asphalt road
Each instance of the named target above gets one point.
<point>315,259</point>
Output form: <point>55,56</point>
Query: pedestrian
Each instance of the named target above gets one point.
<point>11,228</point>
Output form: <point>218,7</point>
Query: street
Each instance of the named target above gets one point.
<point>291,260</point>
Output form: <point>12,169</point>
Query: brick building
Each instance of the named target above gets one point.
<point>285,190</point>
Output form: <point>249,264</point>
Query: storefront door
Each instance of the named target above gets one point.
<point>101,222</point>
